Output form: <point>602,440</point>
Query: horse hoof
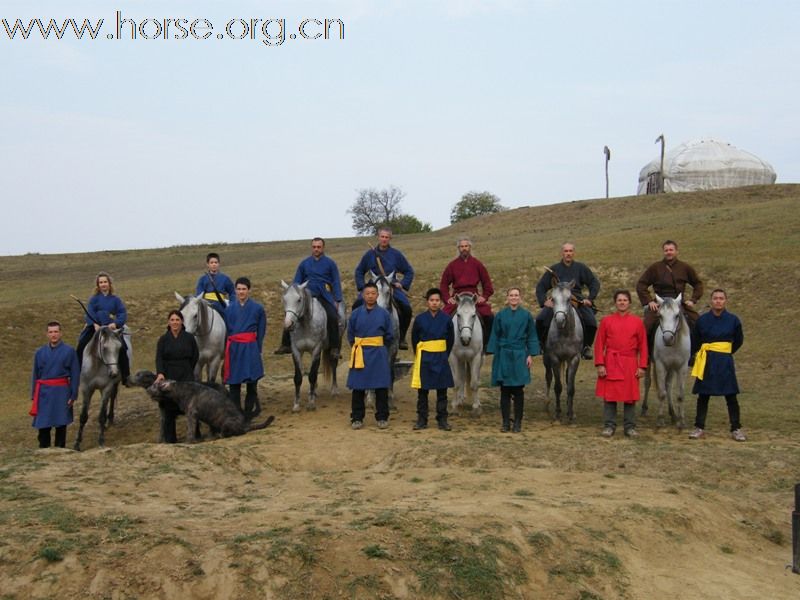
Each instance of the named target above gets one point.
<point>477,412</point>
<point>295,408</point>
<point>311,407</point>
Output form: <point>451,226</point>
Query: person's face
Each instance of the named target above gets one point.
<point>53,334</point>
<point>384,237</point>
<point>175,323</point>
<point>370,296</point>
<point>434,302</point>
<point>317,248</point>
<point>622,302</point>
<point>568,253</point>
<point>718,301</point>
<point>670,252</point>
<point>103,284</point>
<point>242,292</point>
<point>213,265</point>
<point>464,249</point>
<point>513,298</point>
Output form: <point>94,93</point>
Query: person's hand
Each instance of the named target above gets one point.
<point>689,303</point>
<point>587,302</point>
<point>96,327</point>
<point>639,373</point>
<point>397,284</point>
<point>70,402</point>
<point>160,377</point>
<point>529,361</point>
<point>601,370</point>
<point>549,303</point>
<point>653,305</point>
<point>451,300</point>
<point>112,326</point>
<point>481,299</point>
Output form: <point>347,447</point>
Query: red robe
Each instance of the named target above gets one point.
<point>621,346</point>
<point>464,276</point>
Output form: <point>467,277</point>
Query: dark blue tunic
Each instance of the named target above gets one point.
<point>392,260</point>
<point>55,363</point>
<point>106,310</point>
<point>434,369</point>
<point>223,284</point>
<point>245,359</point>
<point>322,276</point>
<point>719,378</point>
<point>365,323</point>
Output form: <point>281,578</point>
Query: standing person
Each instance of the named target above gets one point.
<point>621,361</point>
<point>720,336</point>
<point>247,326</point>
<point>214,285</point>
<point>431,341</point>
<point>668,278</point>
<point>369,331</point>
<point>383,260</point>
<point>514,344</point>
<point>464,274</point>
<point>105,309</point>
<point>324,283</point>
<point>176,357</point>
<point>562,272</point>
<point>54,387</point>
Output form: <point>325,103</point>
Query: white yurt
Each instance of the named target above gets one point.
<point>704,164</point>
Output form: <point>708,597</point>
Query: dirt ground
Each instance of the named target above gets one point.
<point>309,508</point>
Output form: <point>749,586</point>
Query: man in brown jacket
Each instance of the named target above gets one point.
<point>668,278</point>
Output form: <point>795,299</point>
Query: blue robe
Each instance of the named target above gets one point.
<point>719,378</point>
<point>245,359</point>
<point>376,373</point>
<point>224,286</point>
<point>513,339</point>
<point>55,363</point>
<point>106,310</point>
<point>434,368</point>
<point>392,260</point>
<point>322,276</point>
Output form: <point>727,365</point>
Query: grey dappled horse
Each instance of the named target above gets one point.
<point>562,351</point>
<point>307,323</point>
<point>386,301</point>
<point>208,328</point>
<point>100,371</point>
<point>671,350</point>
<point>466,357</point>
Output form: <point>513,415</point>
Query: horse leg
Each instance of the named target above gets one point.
<point>681,384</point>
<point>661,387</point>
<point>548,382</point>
<point>87,398</point>
<point>212,368</point>
<point>647,377</point>
<point>475,375</point>
<point>312,381</point>
<point>334,364</point>
<point>557,389</point>
<point>112,403</point>
<point>572,370</point>
<point>369,399</point>
<point>298,380</point>
<point>104,399</point>
<point>392,405</point>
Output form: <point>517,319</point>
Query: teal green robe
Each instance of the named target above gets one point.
<point>513,339</point>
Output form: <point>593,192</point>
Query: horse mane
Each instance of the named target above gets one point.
<point>202,317</point>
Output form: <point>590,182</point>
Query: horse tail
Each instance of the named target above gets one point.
<point>264,425</point>
<point>326,364</point>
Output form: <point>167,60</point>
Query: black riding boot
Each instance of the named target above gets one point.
<point>541,331</point>
<point>422,410</point>
<point>286,344</point>
<point>441,410</point>
<point>488,321</point>
<point>404,315</point>
<point>589,333</point>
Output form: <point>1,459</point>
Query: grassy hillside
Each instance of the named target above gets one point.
<point>310,509</point>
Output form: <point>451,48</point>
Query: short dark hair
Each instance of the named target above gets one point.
<point>669,243</point>
<point>175,311</point>
<point>318,239</point>
<point>211,255</point>
<point>433,291</point>
<point>370,284</point>
<point>719,291</point>
<point>243,281</point>
<point>622,292</point>
<point>513,287</point>
<point>54,324</point>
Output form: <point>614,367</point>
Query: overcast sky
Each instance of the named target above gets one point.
<point>114,144</point>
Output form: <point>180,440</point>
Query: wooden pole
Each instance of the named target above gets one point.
<point>661,168</point>
<point>607,152</point>
<point>796,531</point>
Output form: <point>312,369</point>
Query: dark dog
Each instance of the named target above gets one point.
<point>200,402</point>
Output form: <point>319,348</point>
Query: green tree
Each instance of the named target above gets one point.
<point>373,208</point>
<point>408,224</point>
<point>473,204</point>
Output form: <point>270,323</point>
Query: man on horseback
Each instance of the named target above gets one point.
<point>464,273</point>
<point>668,278</point>
<point>215,286</point>
<point>324,283</point>
<point>385,259</point>
<point>569,270</point>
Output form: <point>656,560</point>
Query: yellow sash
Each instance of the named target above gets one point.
<point>357,351</point>
<point>429,346</point>
<point>700,360</point>
<point>212,296</point>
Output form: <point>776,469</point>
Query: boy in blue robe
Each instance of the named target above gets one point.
<point>369,331</point>
<point>247,326</point>
<point>431,341</point>
<point>214,285</point>
<point>719,334</point>
<point>54,387</point>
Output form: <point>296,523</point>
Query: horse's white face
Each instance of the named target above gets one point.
<point>190,314</point>
<point>384,289</point>
<point>466,317</point>
<point>561,295</point>
<point>293,305</point>
<point>669,314</point>
<point>108,346</point>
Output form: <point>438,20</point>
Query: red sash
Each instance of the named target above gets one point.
<point>247,337</point>
<point>58,381</point>
<point>615,365</point>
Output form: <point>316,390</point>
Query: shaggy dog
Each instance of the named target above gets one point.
<point>199,402</point>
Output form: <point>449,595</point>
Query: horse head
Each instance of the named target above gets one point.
<point>385,289</point>
<point>105,347</point>
<point>195,315</point>
<point>295,303</point>
<point>669,314</point>
<point>561,295</point>
<point>466,316</point>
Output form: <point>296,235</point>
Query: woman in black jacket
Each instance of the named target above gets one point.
<point>176,357</point>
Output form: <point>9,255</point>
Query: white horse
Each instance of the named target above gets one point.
<point>307,323</point>
<point>562,350</point>
<point>466,357</point>
<point>208,328</point>
<point>671,350</point>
